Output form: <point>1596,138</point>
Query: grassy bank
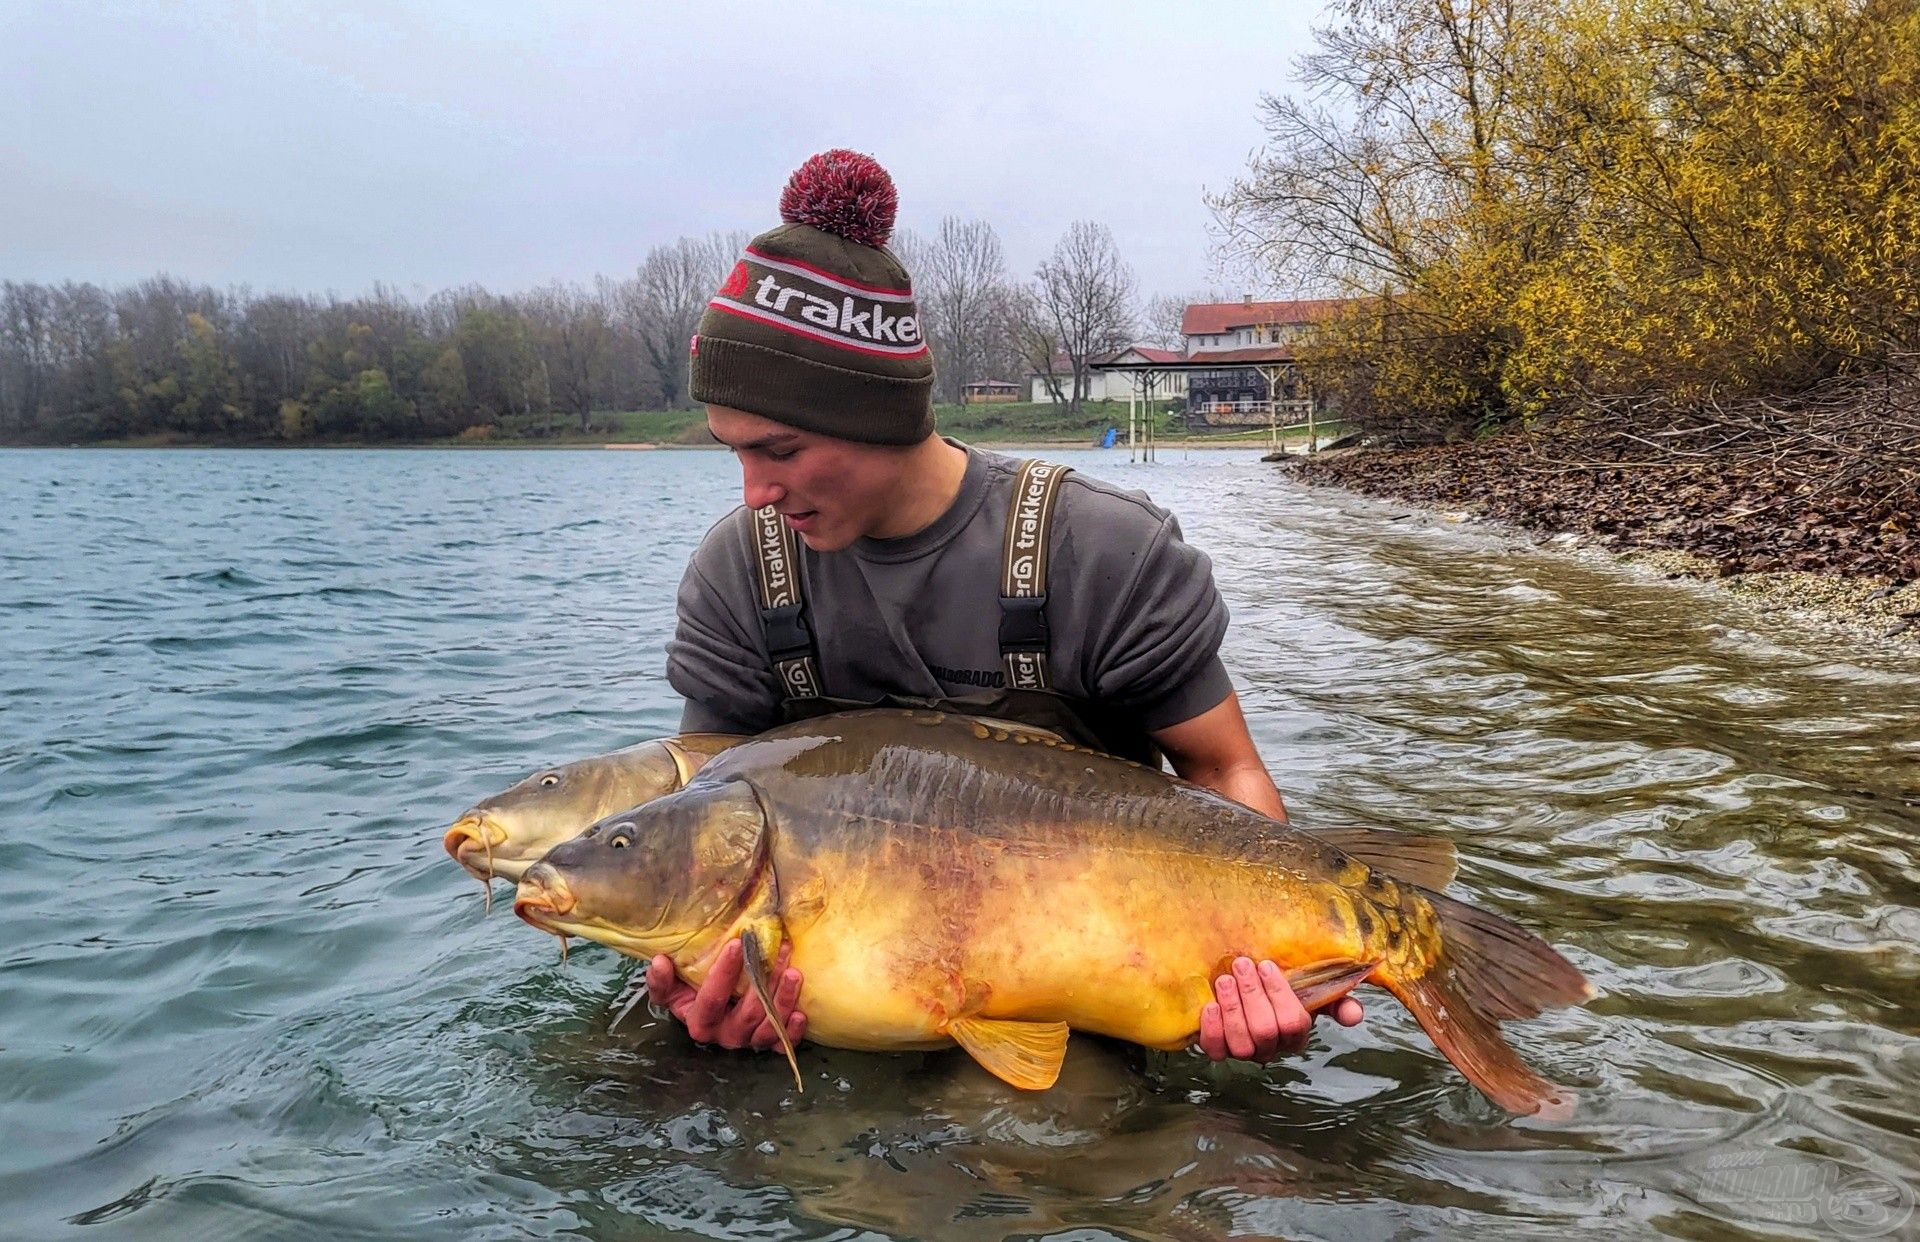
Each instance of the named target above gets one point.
<point>1010,424</point>
<point>1005,423</point>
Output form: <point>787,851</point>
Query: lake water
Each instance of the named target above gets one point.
<point>244,994</point>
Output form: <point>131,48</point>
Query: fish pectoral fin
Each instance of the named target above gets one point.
<point>1426,861</point>
<point>1322,983</point>
<point>753,956</point>
<point>1026,1055</point>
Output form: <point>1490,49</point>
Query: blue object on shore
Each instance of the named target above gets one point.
<point>1106,441</point>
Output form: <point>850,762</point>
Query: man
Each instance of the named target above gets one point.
<point>933,574</point>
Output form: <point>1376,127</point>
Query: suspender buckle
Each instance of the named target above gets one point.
<point>1023,623</point>
<point>788,635</point>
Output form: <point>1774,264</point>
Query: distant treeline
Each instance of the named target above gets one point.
<point>167,358</point>
<point>1540,203</point>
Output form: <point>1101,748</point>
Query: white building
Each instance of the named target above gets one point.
<point>1239,325</point>
<point>1237,364</point>
<point>1113,385</point>
<point>1241,355</point>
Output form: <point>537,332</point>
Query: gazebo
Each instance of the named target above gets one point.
<point>1271,367</point>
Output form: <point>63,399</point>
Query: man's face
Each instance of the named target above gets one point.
<point>831,492</point>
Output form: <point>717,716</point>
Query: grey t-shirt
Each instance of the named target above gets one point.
<point>1134,619</point>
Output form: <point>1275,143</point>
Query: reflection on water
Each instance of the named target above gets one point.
<point>243,994</point>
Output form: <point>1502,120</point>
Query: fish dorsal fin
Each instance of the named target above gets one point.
<point>700,747</point>
<point>684,765</point>
<point>1024,1054</point>
<point>1415,859</point>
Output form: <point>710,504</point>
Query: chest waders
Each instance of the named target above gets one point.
<point>1028,696</point>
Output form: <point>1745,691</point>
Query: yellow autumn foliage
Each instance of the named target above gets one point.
<point>1531,202</point>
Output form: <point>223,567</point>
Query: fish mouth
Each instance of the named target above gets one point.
<point>543,898</point>
<point>470,842</point>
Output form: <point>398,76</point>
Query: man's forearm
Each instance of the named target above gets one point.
<point>1215,750</point>
<point>1249,785</point>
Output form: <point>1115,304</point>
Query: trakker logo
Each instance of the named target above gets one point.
<point>1025,572</point>
<point>778,589</point>
<point>773,559</point>
<point>808,302</point>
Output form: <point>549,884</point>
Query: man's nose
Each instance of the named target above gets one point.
<point>758,487</point>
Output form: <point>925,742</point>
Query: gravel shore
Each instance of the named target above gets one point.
<point>1465,482</point>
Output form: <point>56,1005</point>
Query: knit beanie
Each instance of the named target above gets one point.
<point>815,326</point>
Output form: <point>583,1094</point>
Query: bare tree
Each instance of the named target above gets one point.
<point>626,378</point>
<point>86,394</point>
<point>1165,313</point>
<point>26,354</point>
<point>1003,353</point>
<point>1084,292</point>
<point>271,345</point>
<point>915,253</point>
<point>1036,338</point>
<point>663,302</point>
<point>956,281</point>
<point>1361,196</point>
<point>574,335</point>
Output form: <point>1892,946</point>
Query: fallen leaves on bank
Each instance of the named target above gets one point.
<point>1825,484</point>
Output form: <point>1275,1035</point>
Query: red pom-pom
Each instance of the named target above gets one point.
<point>844,193</point>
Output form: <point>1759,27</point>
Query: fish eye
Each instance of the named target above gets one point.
<point>551,778</point>
<point>621,839</point>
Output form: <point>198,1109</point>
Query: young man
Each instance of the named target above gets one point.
<point>933,574</point>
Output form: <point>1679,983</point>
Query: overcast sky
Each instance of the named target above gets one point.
<point>328,146</point>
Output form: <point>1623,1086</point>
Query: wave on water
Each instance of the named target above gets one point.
<point>224,577</point>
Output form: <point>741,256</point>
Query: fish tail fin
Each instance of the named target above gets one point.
<point>1506,970</point>
<point>1489,970</point>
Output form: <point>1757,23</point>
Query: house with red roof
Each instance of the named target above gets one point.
<point>1212,326</point>
<point>1238,363</point>
<point>1242,359</point>
<point>1239,367</point>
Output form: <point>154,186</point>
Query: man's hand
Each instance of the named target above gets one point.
<point>1256,1016</point>
<point>711,1012</point>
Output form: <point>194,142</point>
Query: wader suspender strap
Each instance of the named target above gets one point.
<point>783,606</point>
<point>1023,575</point>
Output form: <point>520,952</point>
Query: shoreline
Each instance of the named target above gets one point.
<point>1870,610</point>
<point>999,446</point>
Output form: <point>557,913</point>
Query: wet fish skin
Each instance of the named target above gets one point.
<point>942,881</point>
<point>501,836</point>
